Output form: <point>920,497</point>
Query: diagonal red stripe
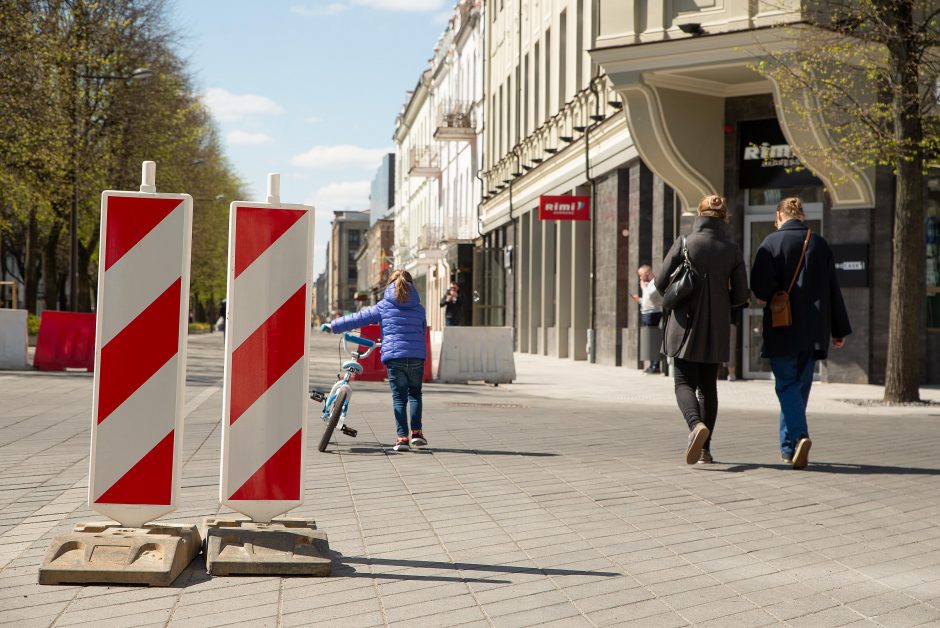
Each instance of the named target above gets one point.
<point>256,228</point>
<point>149,481</point>
<point>268,352</point>
<point>139,350</point>
<point>278,478</point>
<point>129,220</point>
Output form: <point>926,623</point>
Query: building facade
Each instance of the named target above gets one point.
<point>374,261</point>
<point>555,128</point>
<point>703,118</point>
<point>382,190</point>
<point>438,152</point>
<point>348,231</point>
<point>644,108</point>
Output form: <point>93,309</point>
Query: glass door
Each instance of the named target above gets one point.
<point>758,224</point>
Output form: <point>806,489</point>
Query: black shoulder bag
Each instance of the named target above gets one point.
<point>681,282</point>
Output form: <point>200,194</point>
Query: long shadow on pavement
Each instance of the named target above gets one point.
<point>342,567</point>
<point>450,450</point>
<point>826,467</point>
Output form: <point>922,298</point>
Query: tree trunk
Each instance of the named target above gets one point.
<point>84,277</point>
<point>908,290</point>
<point>49,266</point>
<point>31,266</point>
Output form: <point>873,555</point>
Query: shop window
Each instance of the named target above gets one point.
<point>758,197</point>
<point>933,251</point>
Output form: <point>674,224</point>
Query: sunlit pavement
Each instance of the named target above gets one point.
<point>561,499</point>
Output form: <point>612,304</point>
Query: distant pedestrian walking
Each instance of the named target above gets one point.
<point>696,332</point>
<point>651,308</point>
<point>794,273</point>
<point>403,351</point>
<point>451,302</point>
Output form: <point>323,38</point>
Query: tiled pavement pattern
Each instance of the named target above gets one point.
<point>533,509</point>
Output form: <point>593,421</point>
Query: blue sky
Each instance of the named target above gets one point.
<point>308,89</point>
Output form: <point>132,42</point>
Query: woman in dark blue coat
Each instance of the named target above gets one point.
<point>404,325</point>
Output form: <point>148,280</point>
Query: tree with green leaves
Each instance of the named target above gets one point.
<point>75,121</point>
<point>872,68</point>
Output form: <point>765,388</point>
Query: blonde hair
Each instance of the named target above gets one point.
<point>713,206</point>
<point>402,280</point>
<point>790,207</point>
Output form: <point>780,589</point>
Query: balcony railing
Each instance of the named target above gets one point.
<point>431,237</point>
<point>425,162</point>
<point>455,123</point>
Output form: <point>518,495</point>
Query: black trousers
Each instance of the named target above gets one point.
<point>697,393</point>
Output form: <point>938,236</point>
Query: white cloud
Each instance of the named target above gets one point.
<point>401,5</point>
<point>318,10</point>
<point>245,138</point>
<point>342,195</point>
<point>226,106</point>
<point>342,155</point>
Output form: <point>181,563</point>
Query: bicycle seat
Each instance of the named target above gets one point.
<point>359,340</point>
<point>353,366</point>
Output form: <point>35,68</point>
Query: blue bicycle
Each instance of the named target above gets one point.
<point>336,403</point>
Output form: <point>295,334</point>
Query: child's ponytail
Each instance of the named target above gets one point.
<point>402,280</point>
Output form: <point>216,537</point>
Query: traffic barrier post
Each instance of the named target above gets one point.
<point>265,397</point>
<point>138,395</point>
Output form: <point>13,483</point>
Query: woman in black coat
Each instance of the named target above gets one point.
<point>697,332</point>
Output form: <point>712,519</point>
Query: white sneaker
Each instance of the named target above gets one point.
<point>401,445</point>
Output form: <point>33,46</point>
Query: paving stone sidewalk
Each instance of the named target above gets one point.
<point>538,504</point>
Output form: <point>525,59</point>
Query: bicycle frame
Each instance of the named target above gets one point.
<point>343,383</point>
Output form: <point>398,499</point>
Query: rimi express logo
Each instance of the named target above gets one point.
<point>567,207</point>
<point>771,155</point>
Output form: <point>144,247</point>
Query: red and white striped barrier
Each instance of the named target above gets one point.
<point>267,338</point>
<point>140,352</point>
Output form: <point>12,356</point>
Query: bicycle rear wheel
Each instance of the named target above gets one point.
<point>335,412</point>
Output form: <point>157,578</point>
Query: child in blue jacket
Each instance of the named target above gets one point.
<point>403,323</point>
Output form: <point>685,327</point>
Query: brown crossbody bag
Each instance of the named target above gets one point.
<point>780,314</point>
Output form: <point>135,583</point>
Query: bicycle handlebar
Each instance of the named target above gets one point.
<point>362,342</point>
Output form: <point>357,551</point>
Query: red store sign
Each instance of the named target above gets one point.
<point>564,208</point>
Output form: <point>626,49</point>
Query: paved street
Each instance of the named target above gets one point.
<point>540,503</point>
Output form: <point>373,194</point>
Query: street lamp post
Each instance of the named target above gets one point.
<point>138,74</point>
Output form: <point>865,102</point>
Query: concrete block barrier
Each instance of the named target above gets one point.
<point>476,353</point>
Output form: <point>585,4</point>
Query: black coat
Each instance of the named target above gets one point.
<point>722,284</point>
<point>816,302</point>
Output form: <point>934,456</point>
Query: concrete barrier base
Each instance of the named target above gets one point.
<point>106,553</point>
<point>284,547</point>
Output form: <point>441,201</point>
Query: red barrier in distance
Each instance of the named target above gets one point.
<point>66,341</point>
<point>372,368</point>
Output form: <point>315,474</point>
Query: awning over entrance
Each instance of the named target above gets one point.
<point>675,92</point>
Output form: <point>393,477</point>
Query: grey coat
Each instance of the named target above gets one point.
<point>721,285</point>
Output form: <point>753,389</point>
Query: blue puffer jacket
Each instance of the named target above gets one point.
<point>403,324</point>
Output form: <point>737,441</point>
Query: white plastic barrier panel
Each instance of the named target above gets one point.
<point>476,353</point>
<point>266,356</point>
<point>13,339</point>
<point>140,353</point>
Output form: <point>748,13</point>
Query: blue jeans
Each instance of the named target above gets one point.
<point>794,375</point>
<point>405,376</point>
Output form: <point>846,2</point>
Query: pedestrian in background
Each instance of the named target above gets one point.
<point>451,304</point>
<point>651,306</point>
<point>403,350</point>
<point>696,333</point>
<point>799,262</point>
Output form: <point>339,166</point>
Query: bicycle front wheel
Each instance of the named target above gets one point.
<point>335,412</point>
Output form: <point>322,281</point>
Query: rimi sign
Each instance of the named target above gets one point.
<point>564,208</point>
